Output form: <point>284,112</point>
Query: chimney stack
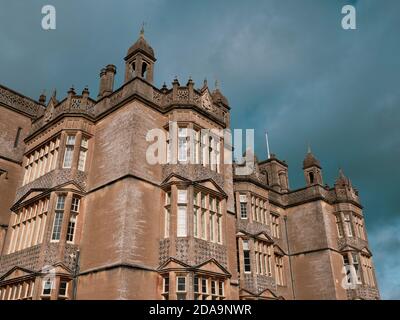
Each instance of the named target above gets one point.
<point>107,76</point>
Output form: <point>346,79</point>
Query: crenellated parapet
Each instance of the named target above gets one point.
<point>73,105</point>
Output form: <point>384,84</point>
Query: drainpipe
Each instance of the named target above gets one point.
<point>290,258</point>
<point>75,275</point>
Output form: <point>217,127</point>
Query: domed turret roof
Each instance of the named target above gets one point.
<point>310,161</point>
<point>342,180</point>
<point>218,96</point>
<point>142,46</point>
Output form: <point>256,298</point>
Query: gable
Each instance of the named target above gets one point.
<point>172,263</point>
<point>37,192</point>
<point>212,266</point>
<point>279,250</point>
<point>32,195</point>
<point>268,294</point>
<point>264,236</point>
<point>15,273</point>
<point>173,178</point>
<point>209,185</point>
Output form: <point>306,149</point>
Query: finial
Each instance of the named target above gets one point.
<point>205,83</point>
<point>71,91</point>
<point>42,97</point>
<point>142,30</point>
<point>309,148</point>
<point>54,93</point>
<point>216,84</point>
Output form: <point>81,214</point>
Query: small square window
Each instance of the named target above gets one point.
<point>63,288</point>
<point>182,196</point>
<point>181,284</point>
<point>70,140</point>
<point>47,286</point>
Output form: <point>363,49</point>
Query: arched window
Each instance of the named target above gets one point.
<point>133,66</point>
<point>266,177</point>
<point>311,177</point>
<point>144,69</point>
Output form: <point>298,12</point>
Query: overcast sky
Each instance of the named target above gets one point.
<point>285,65</point>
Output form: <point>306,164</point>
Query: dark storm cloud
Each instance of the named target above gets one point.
<point>286,66</point>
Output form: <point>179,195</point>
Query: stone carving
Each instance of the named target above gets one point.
<point>206,101</point>
<point>18,102</point>
<point>182,245</point>
<point>164,250</point>
<point>204,250</point>
<point>27,258</point>
<point>53,179</point>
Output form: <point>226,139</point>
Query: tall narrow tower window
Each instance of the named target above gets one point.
<point>144,69</point>
<point>311,176</point>
<point>17,137</point>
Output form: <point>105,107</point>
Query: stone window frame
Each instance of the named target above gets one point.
<point>181,293</point>
<point>83,153</point>
<point>208,280</point>
<point>30,220</point>
<point>263,257</point>
<point>279,270</point>
<point>275,225</point>
<point>198,148</point>
<point>167,214</point>
<point>259,209</point>
<point>21,290</point>
<point>205,213</point>
<point>367,270</point>
<point>73,218</point>
<point>42,159</point>
<point>246,256</point>
<point>58,218</point>
<point>69,150</point>
<point>353,273</point>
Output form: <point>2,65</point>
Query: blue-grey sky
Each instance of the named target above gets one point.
<point>285,65</point>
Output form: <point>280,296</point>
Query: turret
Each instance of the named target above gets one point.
<point>312,169</point>
<point>140,59</point>
<point>275,172</point>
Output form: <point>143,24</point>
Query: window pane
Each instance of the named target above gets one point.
<point>60,203</point>
<point>70,140</point>
<point>182,196</point>
<point>69,150</point>
<point>82,160</point>
<point>181,284</point>
<point>181,232</point>
<point>57,226</point>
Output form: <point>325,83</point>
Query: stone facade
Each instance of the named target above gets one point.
<point>84,215</point>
